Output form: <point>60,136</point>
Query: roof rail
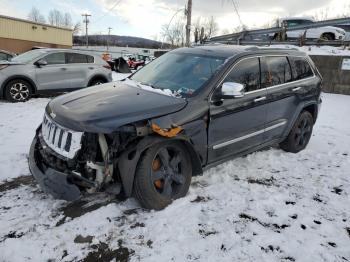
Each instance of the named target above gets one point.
<point>256,48</point>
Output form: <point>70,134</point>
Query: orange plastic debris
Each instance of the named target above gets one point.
<point>166,132</point>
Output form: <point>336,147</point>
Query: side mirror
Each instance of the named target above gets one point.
<point>232,90</point>
<point>40,63</point>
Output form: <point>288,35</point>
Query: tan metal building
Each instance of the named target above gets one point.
<point>18,35</point>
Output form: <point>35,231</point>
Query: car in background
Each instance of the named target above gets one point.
<point>324,32</point>
<point>6,56</point>
<point>135,64</point>
<point>49,71</point>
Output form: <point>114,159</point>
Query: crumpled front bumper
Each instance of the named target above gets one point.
<point>51,181</point>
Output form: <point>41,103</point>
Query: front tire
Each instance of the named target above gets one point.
<point>97,82</point>
<point>300,134</point>
<point>328,37</point>
<point>18,91</point>
<point>163,174</point>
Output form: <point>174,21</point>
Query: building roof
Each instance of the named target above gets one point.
<point>35,23</point>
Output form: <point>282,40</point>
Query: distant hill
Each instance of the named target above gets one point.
<point>116,40</point>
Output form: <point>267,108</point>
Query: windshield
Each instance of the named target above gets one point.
<point>180,73</point>
<point>28,56</point>
<point>292,23</point>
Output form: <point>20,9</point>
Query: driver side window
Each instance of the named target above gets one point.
<point>246,72</point>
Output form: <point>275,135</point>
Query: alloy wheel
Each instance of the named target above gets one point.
<point>166,173</point>
<point>19,92</point>
<point>303,132</point>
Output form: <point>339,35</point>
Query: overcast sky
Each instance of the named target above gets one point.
<point>145,17</point>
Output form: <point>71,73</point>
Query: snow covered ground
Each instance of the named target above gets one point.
<point>268,206</point>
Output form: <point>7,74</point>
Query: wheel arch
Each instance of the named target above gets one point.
<point>311,107</point>
<point>128,161</point>
<point>95,77</point>
<point>328,33</point>
<point>19,77</point>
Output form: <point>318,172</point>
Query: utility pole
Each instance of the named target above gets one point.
<point>188,26</point>
<point>109,35</point>
<point>86,21</point>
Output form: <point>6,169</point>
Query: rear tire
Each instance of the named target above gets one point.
<point>300,134</point>
<point>18,90</point>
<point>96,82</point>
<point>163,174</point>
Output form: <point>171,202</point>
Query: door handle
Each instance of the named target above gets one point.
<point>91,68</point>
<point>63,68</point>
<point>296,89</point>
<point>260,99</point>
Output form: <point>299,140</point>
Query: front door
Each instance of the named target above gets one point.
<point>53,76</point>
<point>237,125</point>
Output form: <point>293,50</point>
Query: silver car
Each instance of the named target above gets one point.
<point>47,71</point>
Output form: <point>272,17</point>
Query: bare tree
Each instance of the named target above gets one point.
<point>67,20</point>
<point>346,11</point>
<point>211,27</point>
<point>322,14</point>
<point>55,18</point>
<point>77,28</point>
<point>206,28</point>
<point>35,16</point>
<point>176,33</point>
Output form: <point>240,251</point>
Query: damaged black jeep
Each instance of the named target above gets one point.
<point>191,109</point>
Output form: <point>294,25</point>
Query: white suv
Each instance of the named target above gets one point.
<point>325,32</point>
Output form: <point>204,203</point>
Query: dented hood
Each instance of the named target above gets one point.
<point>104,108</point>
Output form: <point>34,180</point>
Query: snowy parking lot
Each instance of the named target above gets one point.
<point>267,206</point>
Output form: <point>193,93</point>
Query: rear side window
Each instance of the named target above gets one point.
<point>277,71</point>
<point>301,68</point>
<point>246,72</point>
<point>73,58</point>
<point>90,59</point>
<point>55,59</point>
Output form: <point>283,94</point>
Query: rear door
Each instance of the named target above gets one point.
<point>238,124</point>
<point>284,92</point>
<point>80,66</point>
<point>54,75</point>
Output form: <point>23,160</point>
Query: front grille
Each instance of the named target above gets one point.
<point>60,139</point>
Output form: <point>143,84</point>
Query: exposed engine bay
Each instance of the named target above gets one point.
<point>94,166</point>
<point>95,162</point>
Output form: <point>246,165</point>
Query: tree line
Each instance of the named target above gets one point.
<point>175,33</point>
<point>54,18</point>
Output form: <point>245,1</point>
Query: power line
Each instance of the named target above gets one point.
<point>236,10</point>
<point>109,10</point>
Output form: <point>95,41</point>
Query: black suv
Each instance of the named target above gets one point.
<point>187,111</point>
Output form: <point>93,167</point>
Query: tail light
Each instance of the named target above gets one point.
<point>3,66</point>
